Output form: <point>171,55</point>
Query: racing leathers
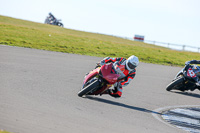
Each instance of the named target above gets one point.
<point>126,75</point>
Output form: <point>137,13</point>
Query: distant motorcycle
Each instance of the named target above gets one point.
<point>186,79</point>
<point>99,80</point>
<point>53,21</point>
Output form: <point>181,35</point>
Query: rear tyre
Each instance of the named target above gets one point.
<point>175,84</point>
<point>89,88</point>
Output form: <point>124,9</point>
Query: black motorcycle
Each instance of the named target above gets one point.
<point>186,79</point>
<point>53,21</point>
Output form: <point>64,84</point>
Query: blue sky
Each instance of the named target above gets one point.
<point>171,21</point>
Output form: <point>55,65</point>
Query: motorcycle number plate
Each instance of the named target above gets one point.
<point>191,73</point>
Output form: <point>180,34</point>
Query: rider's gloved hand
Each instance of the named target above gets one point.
<point>98,65</point>
<point>187,63</point>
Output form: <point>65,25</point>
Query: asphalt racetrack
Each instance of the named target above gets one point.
<point>38,94</point>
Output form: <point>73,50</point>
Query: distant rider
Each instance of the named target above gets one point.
<point>194,62</point>
<point>126,68</point>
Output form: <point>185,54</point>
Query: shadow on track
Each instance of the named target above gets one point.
<point>187,94</point>
<point>121,104</point>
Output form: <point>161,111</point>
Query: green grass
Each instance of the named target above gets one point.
<point>16,32</point>
<point>2,131</point>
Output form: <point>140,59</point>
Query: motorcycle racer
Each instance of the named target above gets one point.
<point>126,68</point>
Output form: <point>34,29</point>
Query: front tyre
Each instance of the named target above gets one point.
<point>89,88</point>
<point>60,24</point>
<point>175,84</point>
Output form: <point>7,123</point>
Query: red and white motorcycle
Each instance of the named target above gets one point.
<point>99,80</point>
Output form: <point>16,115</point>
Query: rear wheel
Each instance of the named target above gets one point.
<point>89,88</point>
<point>176,84</point>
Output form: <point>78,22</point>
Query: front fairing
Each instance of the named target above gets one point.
<point>91,74</point>
<point>180,73</point>
<point>109,74</point>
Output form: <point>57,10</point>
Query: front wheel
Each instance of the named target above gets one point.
<point>176,84</point>
<point>60,24</point>
<point>89,88</point>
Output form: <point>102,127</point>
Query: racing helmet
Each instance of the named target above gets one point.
<point>132,62</point>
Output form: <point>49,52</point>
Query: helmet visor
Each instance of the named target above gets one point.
<point>131,66</point>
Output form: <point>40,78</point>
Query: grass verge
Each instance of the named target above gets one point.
<point>16,32</point>
<point>2,131</point>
